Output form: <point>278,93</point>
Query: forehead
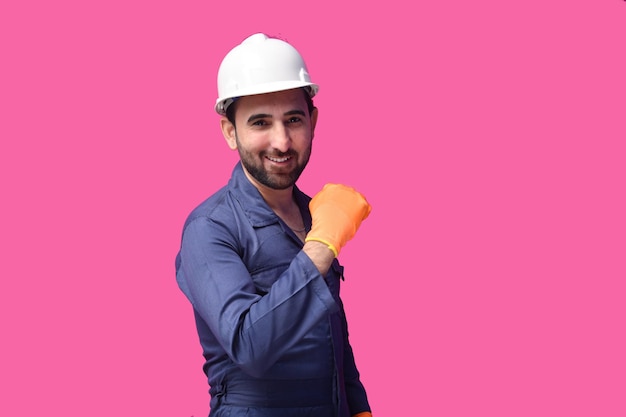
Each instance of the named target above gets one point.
<point>272,103</point>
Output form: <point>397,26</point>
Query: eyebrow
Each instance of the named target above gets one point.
<point>269,116</point>
<point>258,116</point>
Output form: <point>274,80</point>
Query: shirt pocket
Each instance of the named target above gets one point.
<point>264,278</point>
<point>272,256</point>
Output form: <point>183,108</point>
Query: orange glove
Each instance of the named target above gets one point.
<point>337,212</point>
<point>363,414</point>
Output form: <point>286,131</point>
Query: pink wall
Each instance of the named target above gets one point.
<point>488,135</point>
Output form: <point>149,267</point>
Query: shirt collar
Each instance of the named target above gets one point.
<point>253,204</point>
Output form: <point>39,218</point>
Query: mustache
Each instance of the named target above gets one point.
<point>281,154</point>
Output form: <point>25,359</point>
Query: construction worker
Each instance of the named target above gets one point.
<point>258,258</point>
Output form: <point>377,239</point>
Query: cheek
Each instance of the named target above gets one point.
<point>253,142</point>
<point>302,140</point>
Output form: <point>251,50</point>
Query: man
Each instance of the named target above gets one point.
<point>258,258</point>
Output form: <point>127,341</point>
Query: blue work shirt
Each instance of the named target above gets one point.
<point>272,328</point>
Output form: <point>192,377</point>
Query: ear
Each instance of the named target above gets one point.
<point>314,114</point>
<point>229,132</point>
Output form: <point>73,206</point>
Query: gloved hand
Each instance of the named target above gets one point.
<point>337,212</point>
<point>363,414</point>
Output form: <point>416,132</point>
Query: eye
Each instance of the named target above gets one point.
<point>294,119</point>
<point>259,122</point>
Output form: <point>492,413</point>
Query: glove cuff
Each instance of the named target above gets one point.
<point>325,242</point>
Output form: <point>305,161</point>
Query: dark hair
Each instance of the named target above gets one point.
<point>230,110</point>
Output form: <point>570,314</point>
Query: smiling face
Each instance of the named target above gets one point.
<point>273,134</point>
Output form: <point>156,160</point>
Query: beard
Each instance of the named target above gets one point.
<point>278,180</point>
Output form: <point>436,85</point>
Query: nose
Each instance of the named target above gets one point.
<point>280,140</point>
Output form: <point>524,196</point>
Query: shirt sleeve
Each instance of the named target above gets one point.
<point>254,330</point>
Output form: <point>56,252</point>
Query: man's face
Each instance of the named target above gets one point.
<point>273,136</point>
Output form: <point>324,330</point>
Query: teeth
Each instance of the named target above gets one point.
<point>277,159</point>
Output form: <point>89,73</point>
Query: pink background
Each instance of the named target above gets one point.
<point>488,135</point>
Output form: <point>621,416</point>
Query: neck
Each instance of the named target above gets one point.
<point>283,204</point>
<point>281,201</point>
<point>285,207</point>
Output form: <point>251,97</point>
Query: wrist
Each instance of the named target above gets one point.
<point>320,254</point>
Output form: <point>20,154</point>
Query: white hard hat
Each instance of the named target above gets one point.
<point>260,65</point>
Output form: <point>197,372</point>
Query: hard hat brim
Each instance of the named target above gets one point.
<point>222,103</point>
